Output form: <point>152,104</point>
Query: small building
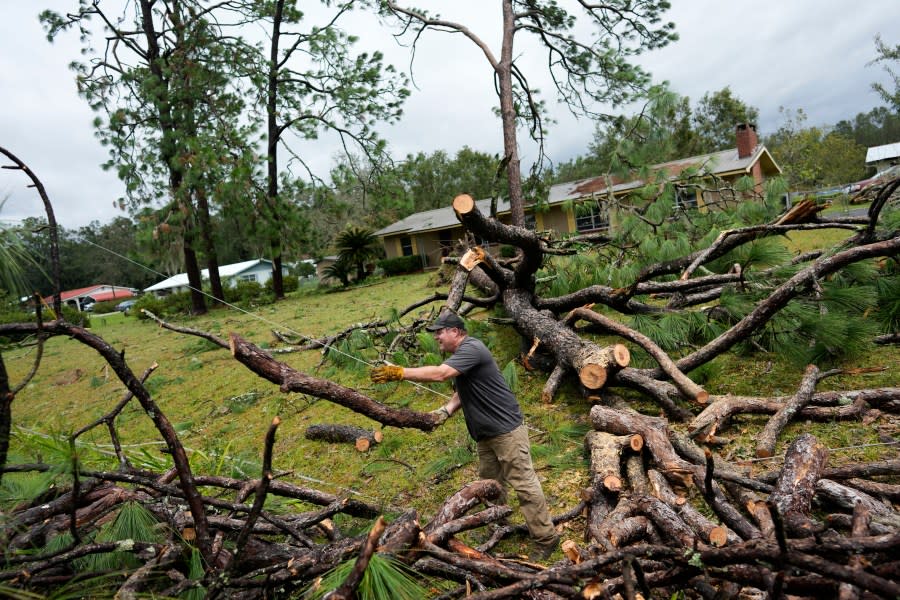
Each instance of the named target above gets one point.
<point>258,270</point>
<point>882,157</point>
<point>82,297</point>
<point>431,234</point>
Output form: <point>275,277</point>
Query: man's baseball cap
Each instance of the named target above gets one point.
<point>446,319</point>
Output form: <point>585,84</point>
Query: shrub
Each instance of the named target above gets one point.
<point>290,282</point>
<point>75,316</point>
<point>151,303</point>
<point>105,307</point>
<point>400,265</point>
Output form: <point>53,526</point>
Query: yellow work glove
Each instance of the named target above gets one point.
<point>442,414</point>
<point>386,373</point>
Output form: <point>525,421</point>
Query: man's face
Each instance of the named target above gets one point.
<point>447,338</point>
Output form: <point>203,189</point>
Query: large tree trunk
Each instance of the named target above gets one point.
<point>273,136</point>
<point>195,278</point>
<point>209,246</point>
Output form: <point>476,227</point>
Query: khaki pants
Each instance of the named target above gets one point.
<point>507,459</point>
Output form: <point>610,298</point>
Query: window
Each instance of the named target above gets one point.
<point>590,217</point>
<point>406,245</point>
<point>530,221</point>
<point>248,277</point>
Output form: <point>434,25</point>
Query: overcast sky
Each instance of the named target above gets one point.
<point>805,54</point>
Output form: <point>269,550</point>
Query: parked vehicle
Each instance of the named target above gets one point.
<point>89,307</point>
<point>879,177</point>
<point>125,306</point>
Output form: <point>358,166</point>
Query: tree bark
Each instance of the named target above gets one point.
<point>765,446</point>
<point>291,380</point>
<point>363,439</point>
<point>792,497</point>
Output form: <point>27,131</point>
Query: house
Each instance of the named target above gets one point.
<point>82,297</point>
<point>748,159</point>
<point>258,270</point>
<point>882,157</point>
<point>431,234</point>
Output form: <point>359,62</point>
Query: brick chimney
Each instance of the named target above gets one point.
<point>746,139</point>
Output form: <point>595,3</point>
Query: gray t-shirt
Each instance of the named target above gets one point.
<point>489,406</point>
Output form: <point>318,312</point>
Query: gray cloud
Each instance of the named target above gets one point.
<point>800,54</point>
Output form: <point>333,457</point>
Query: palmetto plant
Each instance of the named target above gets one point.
<point>356,246</point>
<point>14,260</point>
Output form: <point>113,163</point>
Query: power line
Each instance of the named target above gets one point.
<point>260,317</point>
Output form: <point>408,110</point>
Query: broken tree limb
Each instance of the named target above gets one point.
<point>847,498</point>
<point>361,438</point>
<point>687,387</point>
<point>765,310</point>
<point>765,445</point>
<point>860,528</point>
<point>292,380</point>
<point>709,532</point>
<point>828,407</point>
<point>484,491</point>
<point>552,384</point>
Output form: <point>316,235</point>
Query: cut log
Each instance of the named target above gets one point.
<point>605,452</point>
<point>463,204</point>
<point>594,365</point>
<point>667,521</point>
<point>687,387</point>
<point>363,439</point>
<point>792,497</point>
<point>653,431</point>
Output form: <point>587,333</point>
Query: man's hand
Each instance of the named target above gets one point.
<point>442,414</point>
<point>386,373</point>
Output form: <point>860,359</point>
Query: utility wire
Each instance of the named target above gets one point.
<point>260,317</point>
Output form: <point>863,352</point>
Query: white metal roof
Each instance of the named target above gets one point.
<point>885,152</point>
<point>181,280</point>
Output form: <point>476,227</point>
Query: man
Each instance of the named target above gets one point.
<point>493,418</point>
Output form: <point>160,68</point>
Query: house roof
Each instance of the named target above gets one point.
<point>723,163</point>
<point>181,280</point>
<point>885,152</point>
<point>90,291</point>
<point>113,295</point>
<point>439,218</point>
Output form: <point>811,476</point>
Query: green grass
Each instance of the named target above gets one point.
<point>222,410</point>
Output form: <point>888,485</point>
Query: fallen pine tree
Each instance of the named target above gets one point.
<point>662,514</point>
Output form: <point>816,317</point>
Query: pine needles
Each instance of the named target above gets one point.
<point>386,578</point>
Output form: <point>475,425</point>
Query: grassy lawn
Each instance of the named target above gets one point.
<point>222,410</point>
